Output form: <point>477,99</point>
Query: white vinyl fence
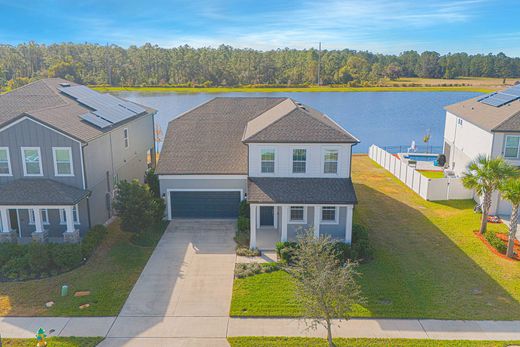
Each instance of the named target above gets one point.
<point>429,189</point>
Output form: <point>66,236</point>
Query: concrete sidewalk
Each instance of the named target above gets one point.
<point>212,331</point>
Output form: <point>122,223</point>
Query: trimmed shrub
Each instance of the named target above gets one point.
<point>250,269</point>
<point>39,258</point>
<point>66,257</point>
<point>243,209</point>
<point>137,207</point>
<point>286,251</point>
<point>92,240</point>
<point>361,249</point>
<point>495,242</point>
<point>243,224</point>
<point>247,252</point>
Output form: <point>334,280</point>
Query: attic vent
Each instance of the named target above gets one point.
<point>64,84</point>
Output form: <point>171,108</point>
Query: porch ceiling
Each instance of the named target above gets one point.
<point>40,192</point>
<point>284,190</point>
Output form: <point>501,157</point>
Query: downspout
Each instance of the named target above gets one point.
<point>86,185</point>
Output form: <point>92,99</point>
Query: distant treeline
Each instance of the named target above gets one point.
<point>151,65</point>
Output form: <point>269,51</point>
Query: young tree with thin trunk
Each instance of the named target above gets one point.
<point>510,191</point>
<point>484,176</point>
<point>326,287</point>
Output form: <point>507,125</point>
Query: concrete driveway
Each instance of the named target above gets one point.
<point>183,295</point>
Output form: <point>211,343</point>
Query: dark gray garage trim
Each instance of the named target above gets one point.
<point>203,203</point>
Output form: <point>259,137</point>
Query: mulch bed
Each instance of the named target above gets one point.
<point>502,237</point>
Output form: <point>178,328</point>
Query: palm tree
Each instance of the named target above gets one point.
<point>510,191</point>
<point>485,176</point>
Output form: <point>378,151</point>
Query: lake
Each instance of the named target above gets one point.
<point>381,118</point>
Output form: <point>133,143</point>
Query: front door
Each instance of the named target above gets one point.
<point>13,218</point>
<point>266,216</point>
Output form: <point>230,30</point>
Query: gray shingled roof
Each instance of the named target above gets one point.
<point>503,119</point>
<point>288,190</point>
<point>40,192</point>
<point>208,139</point>
<point>211,138</point>
<point>44,102</point>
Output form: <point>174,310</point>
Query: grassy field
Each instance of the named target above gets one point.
<point>340,342</point>
<point>478,89</point>
<point>428,263</point>
<point>54,342</point>
<point>109,274</point>
<point>432,174</point>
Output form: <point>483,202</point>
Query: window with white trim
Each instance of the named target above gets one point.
<point>299,160</point>
<point>125,137</point>
<point>45,217</point>
<point>5,162</point>
<point>297,214</point>
<point>511,146</point>
<point>62,161</point>
<point>267,157</point>
<point>32,161</point>
<point>329,214</point>
<point>330,161</point>
<point>63,216</point>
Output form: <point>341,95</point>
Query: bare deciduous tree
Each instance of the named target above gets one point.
<point>326,287</point>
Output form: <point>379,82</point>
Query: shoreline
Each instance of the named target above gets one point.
<point>290,90</point>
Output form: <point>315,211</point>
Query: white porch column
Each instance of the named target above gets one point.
<point>38,220</point>
<point>317,217</point>
<point>348,224</point>
<point>70,219</point>
<point>285,212</point>
<point>252,239</point>
<point>4,221</point>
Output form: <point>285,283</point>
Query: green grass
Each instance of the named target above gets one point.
<point>479,89</point>
<point>54,342</point>
<point>352,342</point>
<point>427,261</point>
<point>109,274</point>
<point>432,174</point>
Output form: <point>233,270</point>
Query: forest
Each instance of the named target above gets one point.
<point>185,66</point>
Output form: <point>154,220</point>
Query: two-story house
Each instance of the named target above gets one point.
<point>63,147</point>
<point>291,162</point>
<point>488,125</point>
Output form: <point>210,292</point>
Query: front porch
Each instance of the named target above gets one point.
<point>40,210</point>
<point>283,222</point>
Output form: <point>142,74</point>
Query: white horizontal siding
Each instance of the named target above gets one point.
<point>283,159</point>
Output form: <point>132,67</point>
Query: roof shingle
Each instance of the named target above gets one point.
<point>43,101</point>
<point>211,139</point>
<point>40,192</point>
<point>289,190</point>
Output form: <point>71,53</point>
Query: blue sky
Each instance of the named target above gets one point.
<point>474,26</point>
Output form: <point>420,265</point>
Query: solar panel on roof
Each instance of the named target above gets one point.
<point>97,121</point>
<point>503,97</point>
<point>107,109</point>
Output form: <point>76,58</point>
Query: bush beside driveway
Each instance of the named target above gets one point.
<point>427,262</point>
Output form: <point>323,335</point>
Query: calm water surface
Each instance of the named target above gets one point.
<point>382,118</point>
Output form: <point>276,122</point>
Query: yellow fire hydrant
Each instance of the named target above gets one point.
<point>40,337</point>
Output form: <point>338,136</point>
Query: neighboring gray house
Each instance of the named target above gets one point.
<point>291,162</point>
<point>63,147</point>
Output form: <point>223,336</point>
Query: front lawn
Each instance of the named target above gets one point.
<point>340,342</point>
<point>109,275</point>
<point>54,342</point>
<point>427,261</point>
